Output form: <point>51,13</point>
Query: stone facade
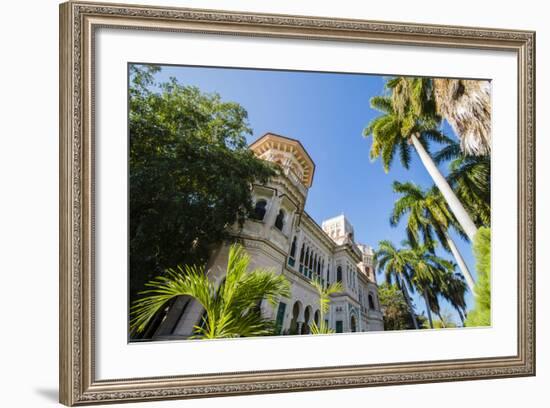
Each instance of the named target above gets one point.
<point>282,237</point>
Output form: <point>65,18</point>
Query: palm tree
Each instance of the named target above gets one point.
<point>396,266</point>
<point>445,320</point>
<point>470,178</point>
<point>450,287</point>
<point>453,288</point>
<point>426,270</point>
<point>324,301</point>
<point>466,104</point>
<point>434,277</point>
<point>428,214</point>
<point>407,119</point>
<point>231,309</point>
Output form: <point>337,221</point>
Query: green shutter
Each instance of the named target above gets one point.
<point>280,317</point>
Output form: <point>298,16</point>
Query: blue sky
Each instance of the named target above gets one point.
<point>327,112</point>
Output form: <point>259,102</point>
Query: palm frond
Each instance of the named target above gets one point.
<point>189,280</point>
<point>382,104</point>
<point>449,152</point>
<point>322,328</point>
<point>231,309</point>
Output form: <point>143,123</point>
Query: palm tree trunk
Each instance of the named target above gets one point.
<point>428,310</point>
<point>454,203</point>
<point>408,300</point>
<point>461,263</point>
<point>441,320</point>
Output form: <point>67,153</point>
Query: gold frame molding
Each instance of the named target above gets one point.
<point>78,22</point>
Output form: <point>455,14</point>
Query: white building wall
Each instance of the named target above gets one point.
<point>331,245</point>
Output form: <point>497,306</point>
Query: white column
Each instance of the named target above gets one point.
<point>272,212</point>
<point>324,269</point>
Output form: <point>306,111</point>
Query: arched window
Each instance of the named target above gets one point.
<point>306,261</point>
<point>280,220</point>
<point>259,210</point>
<point>316,317</point>
<point>292,256</point>
<point>371,302</point>
<point>339,274</point>
<point>293,248</point>
<point>302,254</point>
<point>315,261</point>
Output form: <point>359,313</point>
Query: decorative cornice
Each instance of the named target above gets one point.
<point>307,222</point>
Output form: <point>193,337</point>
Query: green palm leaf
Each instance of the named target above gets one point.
<point>470,178</point>
<point>324,302</point>
<point>408,111</point>
<point>231,309</point>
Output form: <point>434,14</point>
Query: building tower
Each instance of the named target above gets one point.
<point>339,229</point>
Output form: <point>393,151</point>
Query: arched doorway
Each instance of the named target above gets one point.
<point>353,324</point>
<point>296,311</point>
<point>307,318</point>
<point>316,317</point>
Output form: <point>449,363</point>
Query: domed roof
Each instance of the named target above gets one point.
<point>271,146</point>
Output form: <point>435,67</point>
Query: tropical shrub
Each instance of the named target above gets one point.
<point>324,302</point>
<point>481,313</point>
<point>231,309</point>
<point>394,308</point>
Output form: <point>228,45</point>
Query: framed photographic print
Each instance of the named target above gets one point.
<point>256,203</point>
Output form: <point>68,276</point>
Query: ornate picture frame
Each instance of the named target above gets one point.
<point>78,24</point>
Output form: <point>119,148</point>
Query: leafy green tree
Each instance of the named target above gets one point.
<point>408,120</point>
<point>394,308</point>
<point>481,313</point>
<point>231,309</point>
<point>190,174</point>
<point>428,216</point>
<point>324,302</point>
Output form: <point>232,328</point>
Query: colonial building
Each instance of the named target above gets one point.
<point>282,236</point>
